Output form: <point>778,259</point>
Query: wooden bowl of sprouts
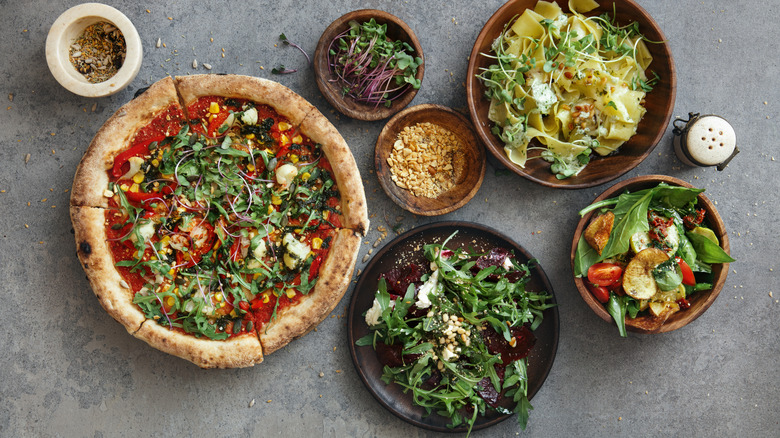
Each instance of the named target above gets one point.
<point>572,109</point>
<point>368,64</point>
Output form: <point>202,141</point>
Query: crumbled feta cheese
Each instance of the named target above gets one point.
<point>373,314</point>
<point>544,96</point>
<point>249,116</point>
<point>507,264</point>
<point>447,355</point>
<point>423,295</point>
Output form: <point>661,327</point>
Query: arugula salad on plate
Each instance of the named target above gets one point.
<point>457,332</point>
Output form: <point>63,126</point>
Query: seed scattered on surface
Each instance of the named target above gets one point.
<point>321,374</point>
<point>195,63</point>
<point>366,257</point>
<point>10,97</point>
<point>159,43</point>
<point>207,66</point>
<point>252,403</point>
<point>26,158</point>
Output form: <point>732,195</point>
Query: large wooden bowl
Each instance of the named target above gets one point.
<point>470,166</point>
<point>659,102</point>
<point>700,301</point>
<point>326,80</point>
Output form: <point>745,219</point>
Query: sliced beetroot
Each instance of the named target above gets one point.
<point>432,381</point>
<point>399,279</point>
<point>514,276</point>
<point>391,356</point>
<point>496,344</point>
<point>486,390</point>
<point>495,257</point>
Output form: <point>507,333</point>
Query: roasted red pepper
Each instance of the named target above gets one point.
<point>314,269</point>
<point>216,122</point>
<point>135,151</point>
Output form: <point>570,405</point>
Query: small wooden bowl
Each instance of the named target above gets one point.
<point>326,80</point>
<point>469,172</point>
<point>700,301</point>
<point>659,102</point>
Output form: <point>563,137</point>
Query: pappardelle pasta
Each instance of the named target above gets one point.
<point>577,84</point>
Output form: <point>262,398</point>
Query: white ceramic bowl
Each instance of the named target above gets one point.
<point>67,28</point>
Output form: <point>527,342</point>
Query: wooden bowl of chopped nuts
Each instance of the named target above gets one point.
<point>93,50</point>
<point>429,160</point>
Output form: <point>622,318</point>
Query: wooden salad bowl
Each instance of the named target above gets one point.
<point>326,80</point>
<point>469,167</point>
<point>659,102</point>
<point>700,301</point>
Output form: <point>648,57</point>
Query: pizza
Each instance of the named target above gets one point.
<point>218,217</point>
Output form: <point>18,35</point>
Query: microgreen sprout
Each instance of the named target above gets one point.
<point>369,67</point>
<point>287,42</point>
<point>282,70</point>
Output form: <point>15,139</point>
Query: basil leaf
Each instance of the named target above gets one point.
<point>707,250</point>
<point>668,275</point>
<point>616,306</point>
<point>584,257</point>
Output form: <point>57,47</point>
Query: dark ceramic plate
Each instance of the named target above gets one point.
<point>406,249</point>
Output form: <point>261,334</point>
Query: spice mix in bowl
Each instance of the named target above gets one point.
<point>93,50</point>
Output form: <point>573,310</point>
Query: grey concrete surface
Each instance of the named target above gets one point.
<point>68,369</point>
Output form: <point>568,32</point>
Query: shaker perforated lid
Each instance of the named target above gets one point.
<point>711,140</point>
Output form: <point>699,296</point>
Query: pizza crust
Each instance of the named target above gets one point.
<point>285,101</point>
<point>114,137</point>
<point>335,275</point>
<point>238,351</point>
<point>93,252</point>
<point>353,199</point>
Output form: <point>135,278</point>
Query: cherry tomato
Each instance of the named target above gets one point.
<point>600,292</point>
<point>201,240</point>
<point>604,274</point>
<point>687,272</point>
